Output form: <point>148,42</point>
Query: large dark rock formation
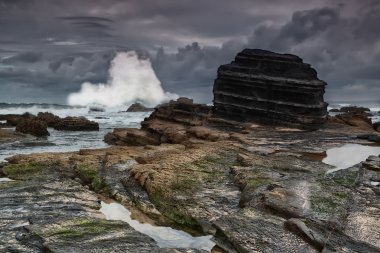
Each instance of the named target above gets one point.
<point>271,88</point>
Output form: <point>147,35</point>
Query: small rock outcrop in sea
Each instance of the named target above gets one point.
<point>376,126</point>
<point>355,109</point>
<point>138,107</point>
<point>174,122</point>
<point>76,124</point>
<point>49,118</point>
<point>96,109</point>
<point>270,88</point>
<point>32,126</point>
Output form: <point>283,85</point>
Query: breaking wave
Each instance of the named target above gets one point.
<point>130,80</point>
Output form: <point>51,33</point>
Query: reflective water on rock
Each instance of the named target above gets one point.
<point>165,237</point>
<point>5,179</point>
<point>348,155</point>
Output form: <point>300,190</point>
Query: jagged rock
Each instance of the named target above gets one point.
<point>370,137</point>
<point>272,88</point>
<point>325,236</point>
<point>372,163</point>
<point>356,119</point>
<point>32,126</point>
<point>376,126</point>
<point>130,136</point>
<point>173,122</point>
<point>96,109</point>
<point>182,111</point>
<point>76,124</point>
<point>14,119</point>
<point>355,109</point>
<point>137,107</point>
<point>49,118</point>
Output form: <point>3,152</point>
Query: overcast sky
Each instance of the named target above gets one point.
<point>48,48</point>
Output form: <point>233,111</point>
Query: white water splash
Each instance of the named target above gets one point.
<point>130,80</point>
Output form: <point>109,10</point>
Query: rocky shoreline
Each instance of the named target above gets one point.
<point>253,187</point>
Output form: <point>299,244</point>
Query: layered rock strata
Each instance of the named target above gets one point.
<point>270,88</point>
<point>174,122</point>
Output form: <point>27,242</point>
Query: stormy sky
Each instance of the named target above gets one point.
<point>48,48</point>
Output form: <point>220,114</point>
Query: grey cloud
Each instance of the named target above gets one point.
<point>26,57</point>
<point>87,19</point>
<point>54,46</point>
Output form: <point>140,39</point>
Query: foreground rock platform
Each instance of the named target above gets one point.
<point>271,88</point>
<point>259,189</point>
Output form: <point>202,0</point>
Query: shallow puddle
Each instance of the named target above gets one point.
<point>165,237</point>
<point>5,179</point>
<point>348,155</point>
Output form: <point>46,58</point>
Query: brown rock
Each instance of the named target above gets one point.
<point>32,126</point>
<point>14,119</point>
<point>206,133</point>
<point>49,118</point>
<point>169,123</point>
<point>76,124</point>
<point>355,109</point>
<point>356,119</point>
<point>137,107</point>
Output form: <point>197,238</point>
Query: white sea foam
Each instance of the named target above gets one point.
<point>130,79</point>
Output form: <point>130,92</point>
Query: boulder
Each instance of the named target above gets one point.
<point>96,109</point>
<point>356,119</point>
<point>32,126</point>
<point>131,137</point>
<point>172,122</point>
<point>49,118</point>
<point>369,137</point>
<point>376,126</point>
<point>372,163</point>
<point>76,124</point>
<point>271,88</point>
<point>355,109</point>
<point>137,107</point>
<point>14,119</point>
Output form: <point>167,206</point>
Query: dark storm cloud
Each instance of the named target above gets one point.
<point>48,48</point>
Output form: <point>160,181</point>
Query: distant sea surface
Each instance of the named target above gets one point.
<point>66,141</point>
<point>63,141</point>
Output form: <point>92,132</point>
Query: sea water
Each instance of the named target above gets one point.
<point>373,106</point>
<point>67,141</point>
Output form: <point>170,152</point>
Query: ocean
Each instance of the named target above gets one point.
<point>65,141</point>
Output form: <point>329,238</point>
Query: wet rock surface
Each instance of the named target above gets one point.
<point>32,126</point>
<point>42,213</point>
<point>174,122</point>
<point>76,124</point>
<point>138,107</point>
